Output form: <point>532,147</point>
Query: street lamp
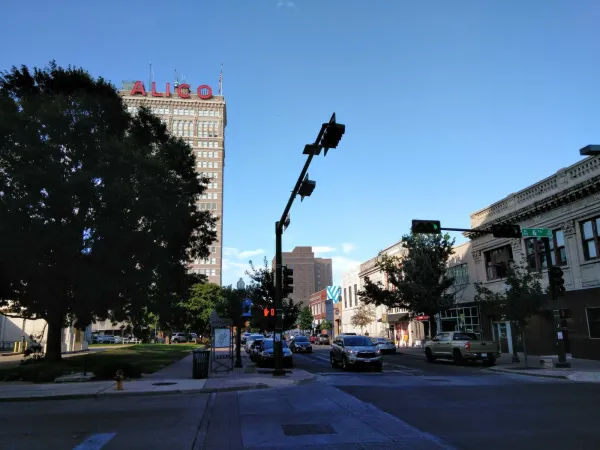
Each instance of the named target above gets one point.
<point>329,137</point>
<point>590,150</point>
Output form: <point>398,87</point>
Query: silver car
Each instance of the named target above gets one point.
<point>355,351</point>
<point>383,344</point>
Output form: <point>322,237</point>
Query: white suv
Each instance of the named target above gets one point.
<point>178,338</point>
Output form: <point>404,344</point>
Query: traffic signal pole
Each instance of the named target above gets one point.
<point>278,300</point>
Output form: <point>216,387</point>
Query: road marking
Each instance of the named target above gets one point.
<point>95,441</point>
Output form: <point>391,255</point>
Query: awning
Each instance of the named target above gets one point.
<point>397,317</point>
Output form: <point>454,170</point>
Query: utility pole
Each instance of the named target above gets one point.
<point>329,137</point>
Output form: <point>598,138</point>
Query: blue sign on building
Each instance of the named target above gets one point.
<point>334,293</point>
<point>246,307</point>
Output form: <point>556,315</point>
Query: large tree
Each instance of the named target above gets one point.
<point>363,316</point>
<point>203,299</point>
<point>262,292</point>
<point>97,206</point>
<point>305,319</point>
<point>419,281</point>
<point>521,298</point>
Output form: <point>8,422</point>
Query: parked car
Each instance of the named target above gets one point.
<point>313,338</point>
<point>245,337</point>
<point>255,349</point>
<point>384,344</point>
<point>323,339</point>
<point>300,344</point>
<point>265,355</point>
<point>250,339</point>
<point>355,351</point>
<point>178,338</point>
<point>461,346</point>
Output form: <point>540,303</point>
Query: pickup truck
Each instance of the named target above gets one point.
<point>461,346</point>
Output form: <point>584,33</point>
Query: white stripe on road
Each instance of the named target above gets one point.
<point>95,441</point>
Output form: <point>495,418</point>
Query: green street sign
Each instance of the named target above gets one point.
<point>537,232</point>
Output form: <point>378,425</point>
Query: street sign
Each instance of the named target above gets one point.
<point>536,232</point>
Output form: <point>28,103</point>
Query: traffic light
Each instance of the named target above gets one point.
<point>306,188</point>
<point>270,319</point>
<point>564,313</point>
<point>557,282</point>
<point>288,281</point>
<point>506,230</point>
<point>332,136</point>
<point>426,226</point>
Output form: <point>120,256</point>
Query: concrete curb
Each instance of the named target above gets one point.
<point>104,394</point>
<point>527,374</point>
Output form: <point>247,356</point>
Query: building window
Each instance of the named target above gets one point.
<point>593,321</point>
<point>350,295</point>
<point>558,249</point>
<point>345,299</point>
<point>355,295</point>
<point>497,260</point>
<point>536,253</point>
<point>460,274</point>
<point>591,241</point>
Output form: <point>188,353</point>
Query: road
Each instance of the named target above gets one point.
<point>465,407</point>
<point>470,407</point>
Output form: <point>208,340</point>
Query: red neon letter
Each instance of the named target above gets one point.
<point>205,88</point>
<point>180,89</point>
<point>154,93</point>
<point>138,88</point>
<point>168,90</point>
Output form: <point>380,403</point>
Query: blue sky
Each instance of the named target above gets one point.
<point>448,106</point>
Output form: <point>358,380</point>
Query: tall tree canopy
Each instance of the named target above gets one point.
<point>305,319</point>
<point>262,292</point>
<point>97,206</point>
<point>417,282</point>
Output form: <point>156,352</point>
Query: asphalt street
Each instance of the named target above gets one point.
<point>462,407</point>
<point>470,407</point>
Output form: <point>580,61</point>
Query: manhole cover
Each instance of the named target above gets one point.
<point>307,429</point>
<point>164,383</point>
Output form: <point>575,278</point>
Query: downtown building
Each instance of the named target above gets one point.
<point>311,274</point>
<point>199,118</point>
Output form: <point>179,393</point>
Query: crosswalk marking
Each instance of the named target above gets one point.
<point>95,441</point>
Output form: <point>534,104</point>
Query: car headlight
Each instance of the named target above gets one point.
<point>378,351</point>
<point>351,352</point>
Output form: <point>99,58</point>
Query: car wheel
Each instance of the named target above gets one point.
<point>332,361</point>
<point>429,355</point>
<point>457,357</point>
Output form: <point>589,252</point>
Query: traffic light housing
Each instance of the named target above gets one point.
<point>506,230</point>
<point>306,188</point>
<point>564,313</point>
<point>332,136</point>
<point>288,281</point>
<point>426,226</point>
<point>557,282</point>
<point>270,318</point>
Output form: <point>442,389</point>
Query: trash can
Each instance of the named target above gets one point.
<point>201,360</point>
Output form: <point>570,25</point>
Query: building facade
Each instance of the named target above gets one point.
<point>311,274</point>
<point>568,203</point>
<point>348,303</point>
<point>199,118</point>
<point>321,308</point>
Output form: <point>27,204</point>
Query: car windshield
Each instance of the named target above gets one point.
<point>300,339</point>
<point>268,344</point>
<point>357,341</point>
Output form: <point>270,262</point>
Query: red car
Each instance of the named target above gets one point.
<point>313,338</point>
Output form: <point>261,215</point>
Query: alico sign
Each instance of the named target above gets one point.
<point>182,90</point>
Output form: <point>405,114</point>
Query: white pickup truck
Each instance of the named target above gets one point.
<point>461,346</point>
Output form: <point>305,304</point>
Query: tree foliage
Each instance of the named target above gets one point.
<point>418,282</point>
<point>97,207</point>
<point>326,325</point>
<point>522,298</point>
<point>202,300</point>
<point>363,316</point>
<point>305,319</point>
<point>262,293</point>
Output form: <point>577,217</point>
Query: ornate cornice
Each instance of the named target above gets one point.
<point>586,189</point>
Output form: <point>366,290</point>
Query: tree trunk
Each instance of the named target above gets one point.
<point>54,340</point>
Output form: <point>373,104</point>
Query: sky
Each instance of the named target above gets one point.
<point>448,106</point>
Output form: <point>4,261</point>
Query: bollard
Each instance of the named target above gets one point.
<point>119,379</point>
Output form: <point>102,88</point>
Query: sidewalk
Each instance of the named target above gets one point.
<point>173,379</point>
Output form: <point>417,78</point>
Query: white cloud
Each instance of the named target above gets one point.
<point>347,247</point>
<point>236,253</point>
<point>341,265</point>
<point>286,3</point>
<point>322,249</point>
<point>233,271</point>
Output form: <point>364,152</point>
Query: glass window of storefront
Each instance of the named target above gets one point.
<point>460,319</point>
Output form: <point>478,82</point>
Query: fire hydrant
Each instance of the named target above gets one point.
<point>119,379</point>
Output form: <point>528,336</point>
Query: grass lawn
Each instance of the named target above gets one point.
<point>134,359</point>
